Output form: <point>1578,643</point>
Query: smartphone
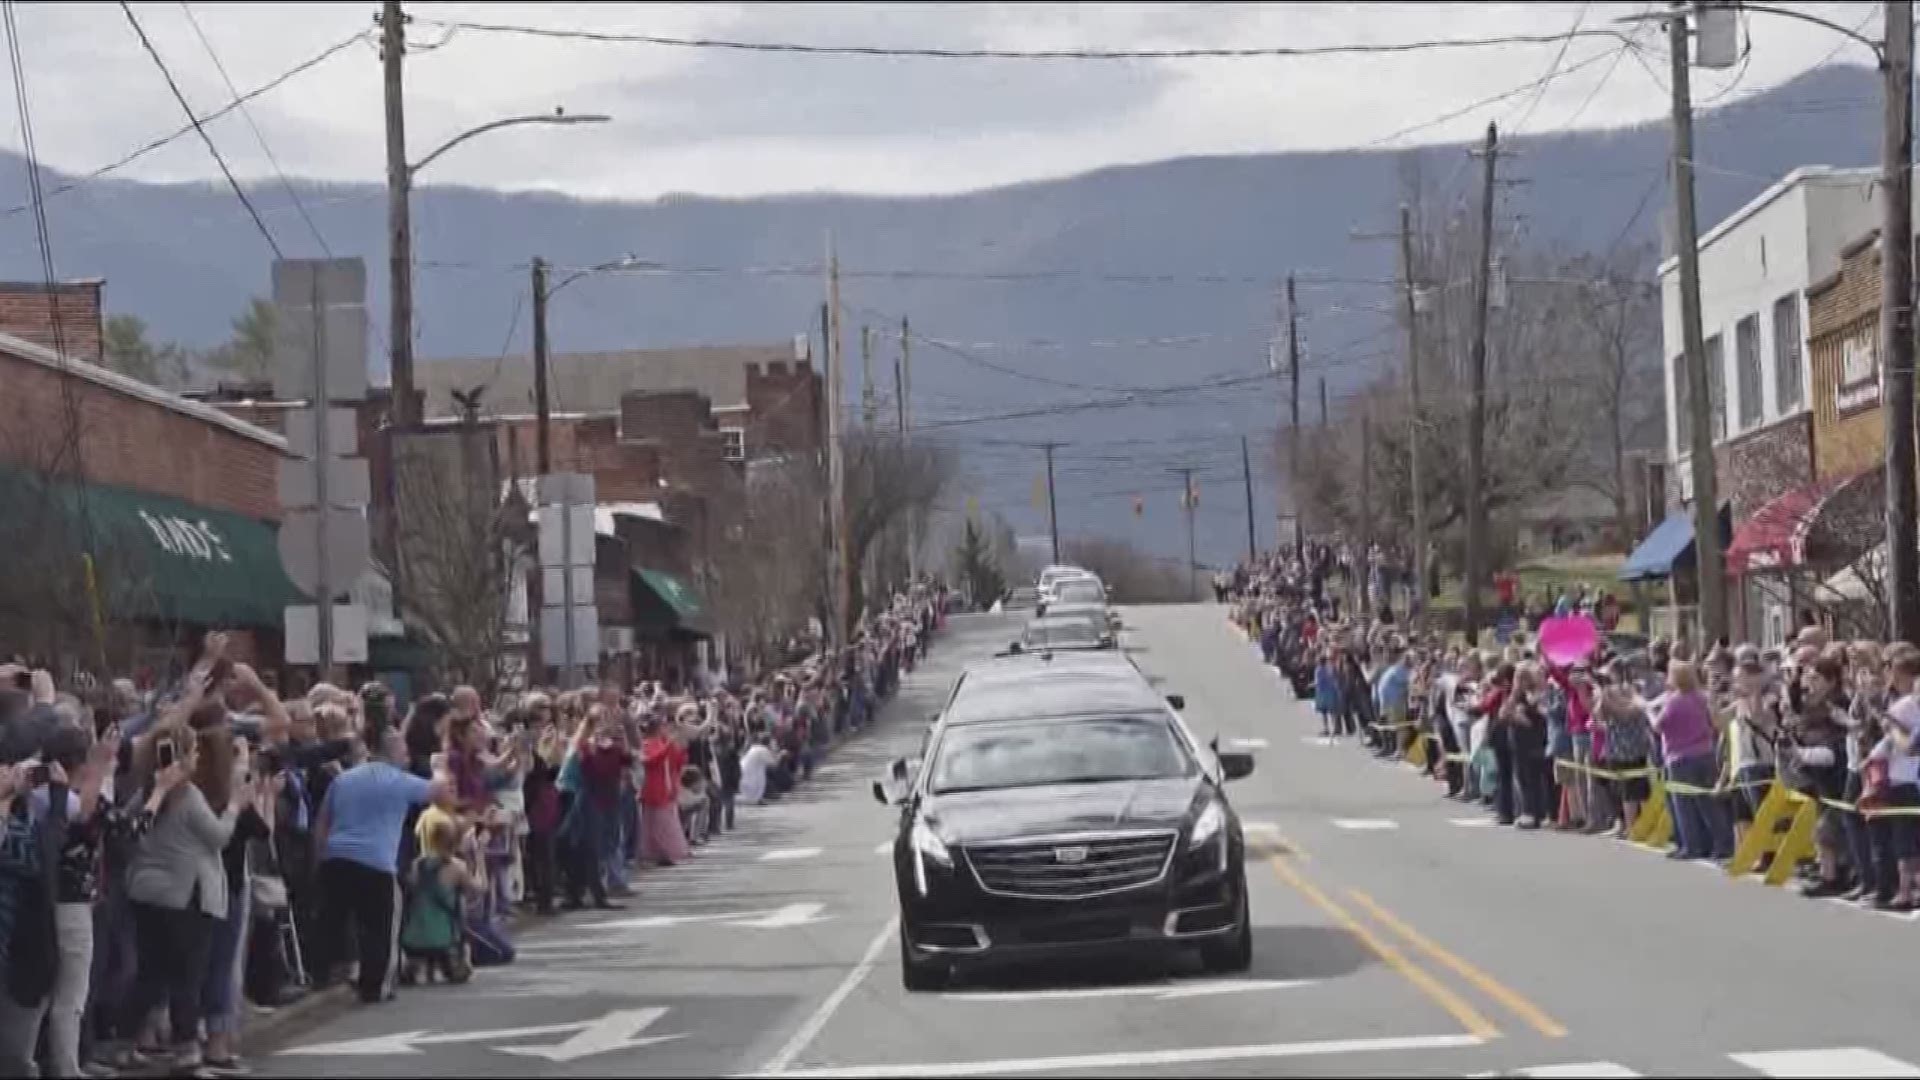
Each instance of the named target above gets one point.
<point>23,680</point>
<point>38,775</point>
<point>165,755</point>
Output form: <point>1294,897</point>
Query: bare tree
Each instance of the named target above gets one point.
<point>887,482</point>
<point>1131,576</point>
<point>463,541</point>
<point>771,576</point>
<point>1564,355</point>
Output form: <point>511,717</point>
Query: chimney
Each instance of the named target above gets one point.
<point>28,310</point>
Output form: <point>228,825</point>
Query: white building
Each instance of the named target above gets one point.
<point>1755,267</point>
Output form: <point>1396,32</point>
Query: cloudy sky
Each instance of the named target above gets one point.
<point>739,123</point>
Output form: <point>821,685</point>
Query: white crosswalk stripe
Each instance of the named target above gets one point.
<point>1832,1061</point>
<point>1595,1070</point>
<point>1842,1061</point>
<point>1365,824</point>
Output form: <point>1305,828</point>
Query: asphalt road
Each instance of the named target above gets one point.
<point>1396,935</point>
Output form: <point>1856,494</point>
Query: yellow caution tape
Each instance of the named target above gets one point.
<point>1849,808</point>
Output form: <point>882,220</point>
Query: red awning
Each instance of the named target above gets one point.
<point>1781,535</point>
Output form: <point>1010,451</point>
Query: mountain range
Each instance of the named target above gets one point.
<point>1039,299</point>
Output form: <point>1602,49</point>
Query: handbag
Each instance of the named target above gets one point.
<point>269,892</point>
<point>1875,780</point>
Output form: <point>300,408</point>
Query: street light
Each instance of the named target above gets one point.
<point>400,176</point>
<point>542,292</point>
<point>557,117</point>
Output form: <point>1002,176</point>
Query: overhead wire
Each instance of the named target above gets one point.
<point>200,127</point>
<point>155,144</point>
<point>70,449</point>
<point>1565,43</point>
<point>947,53</point>
<point>293,194</point>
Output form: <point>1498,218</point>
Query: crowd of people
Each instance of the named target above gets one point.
<point>1578,744</point>
<point>170,859</point>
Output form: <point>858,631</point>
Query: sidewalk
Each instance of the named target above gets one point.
<point>266,1028</point>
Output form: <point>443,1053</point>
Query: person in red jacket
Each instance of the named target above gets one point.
<point>662,756</point>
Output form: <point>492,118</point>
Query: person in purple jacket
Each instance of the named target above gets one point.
<point>1685,725</point>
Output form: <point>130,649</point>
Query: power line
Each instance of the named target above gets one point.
<point>1493,100</point>
<point>155,144</point>
<point>1559,57</point>
<point>259,137</point>
<point>71,450</point>
<point>147,43</point>
<point>937,53</point>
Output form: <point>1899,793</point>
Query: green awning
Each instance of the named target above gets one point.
<point>675,604</point>
<point>157,558</point>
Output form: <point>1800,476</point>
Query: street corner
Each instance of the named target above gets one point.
<point>454,1032</point>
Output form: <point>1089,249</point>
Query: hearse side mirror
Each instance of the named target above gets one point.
<point>892,789</point>
<point>1178,701</point>
<point>1235,764</point>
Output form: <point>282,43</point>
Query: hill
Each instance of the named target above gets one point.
<point>1185,250</point>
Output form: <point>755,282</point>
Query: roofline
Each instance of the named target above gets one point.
<point>1804,174</point>
<point>132,387</point>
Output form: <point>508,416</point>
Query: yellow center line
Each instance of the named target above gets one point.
<point>1456,1006</point>
<point>1480,980</point>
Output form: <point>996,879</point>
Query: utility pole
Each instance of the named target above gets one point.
<point>1323,402</point>
<point>869,401</point>
<point>1246,478</point>
<point>1477,405</point>
<point>1053,513</point>
<point>1187,500</point>
<point>902,389</point>
<point>542,407</point>
<point>1896,325</point>
<point>393,53</point>
<point>836,458</point>
<point>1416,420</point>
<point>1706,499</point>
<point>1293,429</point>
<point>1366,507</point>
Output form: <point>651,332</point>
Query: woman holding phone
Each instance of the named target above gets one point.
<point>178,881</point>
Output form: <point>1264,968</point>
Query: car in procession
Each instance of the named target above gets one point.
<point>1061,808</point>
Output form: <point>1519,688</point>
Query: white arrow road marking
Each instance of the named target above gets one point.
<point>409,1042</point>
<point>790,915</point>
<point>615,1031</point>
<point>1248,744</point>
<point>1319,740</point>
<point>1157,991</point>
<point>885,847</point>
<point>1473,822</point>
<point>1259,827</point>
<point>790,854</point>
<point>1365,824</point>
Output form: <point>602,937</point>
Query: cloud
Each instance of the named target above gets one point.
<point>732,123</point>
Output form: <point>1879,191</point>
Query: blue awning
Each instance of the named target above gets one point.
<point>1664,547</point>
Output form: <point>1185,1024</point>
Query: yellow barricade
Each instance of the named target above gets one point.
<point>1797,846</point>
<point>1415,749</point>
<point>1654,826</point>
<point>1765,835</point>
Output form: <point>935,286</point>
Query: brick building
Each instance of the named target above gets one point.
<point>1843,317</point>
<point>171,501</point>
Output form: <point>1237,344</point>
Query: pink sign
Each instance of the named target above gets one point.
<point>1568,639</point>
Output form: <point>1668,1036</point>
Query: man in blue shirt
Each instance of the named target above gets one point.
<point>1390,691</point>
<point>359,842</point>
